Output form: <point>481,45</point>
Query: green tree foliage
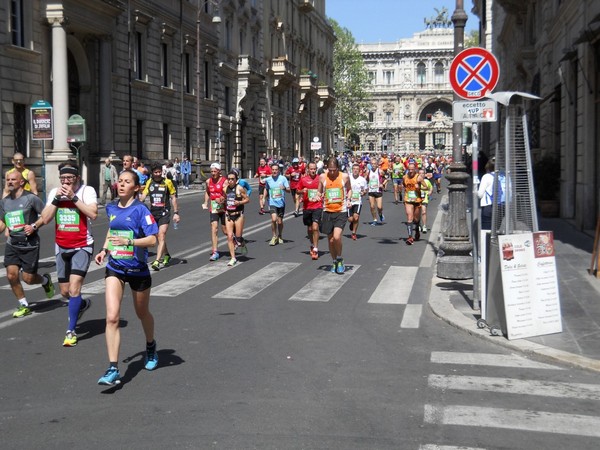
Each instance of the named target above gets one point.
<point>472,39</point>
<point>351,80</point>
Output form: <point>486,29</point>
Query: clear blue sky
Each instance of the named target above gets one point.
<point>373,21</point>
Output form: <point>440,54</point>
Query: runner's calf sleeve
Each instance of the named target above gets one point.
<point>74,307</point>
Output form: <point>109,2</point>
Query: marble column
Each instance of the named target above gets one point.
<point>106,126</point>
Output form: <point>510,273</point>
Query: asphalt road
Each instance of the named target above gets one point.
<point>277,353</point>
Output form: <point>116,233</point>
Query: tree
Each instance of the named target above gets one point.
<point>350,80</point>
<point>472,39</point>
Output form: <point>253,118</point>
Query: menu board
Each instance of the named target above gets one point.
<point>530,284</point>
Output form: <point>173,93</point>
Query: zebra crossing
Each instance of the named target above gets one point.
<point>497,391</point>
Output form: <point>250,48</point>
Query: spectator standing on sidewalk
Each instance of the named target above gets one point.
<point>72,206</point>
<point>18,161</point>
<point>108,178</point>
<point>19,213</point>
<point>186,172</point>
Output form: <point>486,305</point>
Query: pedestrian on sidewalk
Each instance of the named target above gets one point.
<point>132,230</point>
<point>485,194</point>
<point>186,171</point>
<point>108,178</point>
<point>19,212</point>
<point>30,185</point>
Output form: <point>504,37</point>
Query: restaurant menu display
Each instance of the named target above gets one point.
<point>530,284</point>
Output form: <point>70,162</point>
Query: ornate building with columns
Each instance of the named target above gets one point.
<point>411,108</point>
<point>211,79</point>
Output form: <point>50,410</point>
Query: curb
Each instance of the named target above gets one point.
<point>440,304</point>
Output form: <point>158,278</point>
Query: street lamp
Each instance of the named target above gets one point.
<point>216,20</point>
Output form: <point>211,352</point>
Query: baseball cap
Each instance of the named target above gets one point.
<point>215,165</point>
<point>295,160</point>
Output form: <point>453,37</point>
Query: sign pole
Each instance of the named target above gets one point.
<point>44,170</point>
<point>476,218</point>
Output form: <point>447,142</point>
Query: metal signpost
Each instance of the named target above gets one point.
<point>474,73</point>
<point>42,129</point>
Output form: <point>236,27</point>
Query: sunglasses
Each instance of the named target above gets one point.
<point>230,179</point>
<point>18,160</point>
<point>67,178</point>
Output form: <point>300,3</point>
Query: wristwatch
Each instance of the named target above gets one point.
<point>34,226</point>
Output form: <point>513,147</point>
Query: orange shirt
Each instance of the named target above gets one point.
<point>412,189</point>
<point>385,164</point>
<point>335,194</point>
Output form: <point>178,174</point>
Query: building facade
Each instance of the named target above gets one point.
<point>552,49</point>
<point>411,108</point>
<point>166,78</point>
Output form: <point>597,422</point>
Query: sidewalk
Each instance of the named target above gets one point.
<point>579,342</point>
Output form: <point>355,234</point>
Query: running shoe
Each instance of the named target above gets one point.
<point>296,213</point>
<point>410,240</point>
<point>70,339</point>
<point>243,249</point>
<point>151,361</point>
<point>314,254</point>
<point>262,212</point>
<point>334,267</point>
<point>214,256</point>
<point>111,377</point>
<point>166,259</point>
<point>353,236</point>
<point>280,240</point>
<point>157,265</point>
<point>381,218</point>
<point>21,311</point>
<point>374,223</point>
<point>48,286</point>
<point>417,233</point>
<point>424,229</point>
<point>273,241</point>
<point>85,305</point>
<point>340,266</point>
<point>232,262</point>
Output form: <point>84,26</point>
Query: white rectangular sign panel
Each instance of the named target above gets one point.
<point>315,146</point>
<point>530,284</point>
<point>475,111</point>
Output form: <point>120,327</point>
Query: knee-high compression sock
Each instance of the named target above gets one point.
<point>409,226</point>
<point>74,307</point>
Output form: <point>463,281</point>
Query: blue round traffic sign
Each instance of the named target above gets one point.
<point>473,73</point>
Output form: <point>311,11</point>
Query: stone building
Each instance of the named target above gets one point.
<point>552,49</point>
<point>411,106</point>
<point>165,78</point>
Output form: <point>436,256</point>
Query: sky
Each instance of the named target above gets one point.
<point>373,21</point>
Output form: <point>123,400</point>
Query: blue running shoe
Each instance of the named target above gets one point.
<point>340,266</point>
<point>374,223</point>
<point>381,218</point>
<point>151,361</point>
<point>334,267</point>
<point>112,377</point>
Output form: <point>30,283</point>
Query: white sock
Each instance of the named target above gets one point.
<point>23,302</point>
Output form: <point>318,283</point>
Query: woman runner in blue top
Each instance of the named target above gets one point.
<point>132,229</point>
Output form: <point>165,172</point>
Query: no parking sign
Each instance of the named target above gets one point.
<point>473,73</point>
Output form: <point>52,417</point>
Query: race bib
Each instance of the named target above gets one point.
<point>275,193</point>
<point>15,220</point>
<point>355,196</point>
<point>215,206</point>
<point>121,251</point>
<point>67,219</point>
<point>411,195</point>
<point>333,195</point>
<point>373,185</point>
<point>312,195</point>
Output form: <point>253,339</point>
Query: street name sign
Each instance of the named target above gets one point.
<point>477,111</point>
<point>473,73</point>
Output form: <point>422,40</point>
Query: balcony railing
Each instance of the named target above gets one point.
<point>326,97</point>
<point>306,6</point>
<point>284,72</point>
<point>250,67</point>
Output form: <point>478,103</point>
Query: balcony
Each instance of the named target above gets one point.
<point>284,73</point>
<point>326,97</point>
<point>308,84</point>
<point>306,6</point>
<point>250,68</point>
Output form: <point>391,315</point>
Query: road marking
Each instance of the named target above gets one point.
<point>324,286</point>
<point>446,447</point>
<point>513,419</point>
<point>258,281</point>
<point>190,280</point>
<point>3,269</point>
<point>412,316</point>
<point>395,286</point>
<point>515,386</point>
<point>488,359</point>
<point>8,323</point>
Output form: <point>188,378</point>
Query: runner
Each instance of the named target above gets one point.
<point>335,189</point>
<point>359,189</point>
<point>214,194</point>
<point>375,182</point>
<point>236,197</point>
<point>293,174</point>
<point>18,161</point>
<point>19,212</point>
<point>412,202</point>
<point>276,186</point>
<point>163,196</point>
<point>426,190</point>
<point>438,173</point>
<point>262,172</point>
<point>132,230</point>
<point>397,173</point>
<point>384,166</point>
<point>73,206</point>
<point>313,207</point>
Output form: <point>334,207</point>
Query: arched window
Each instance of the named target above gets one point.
<point>438,73</point>
<point>421,73</point>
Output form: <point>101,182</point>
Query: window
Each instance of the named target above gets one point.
<point>228,31</point>
<point>227,100</point>
<point>438,72</point>
<point>388,77</point>
<point>207,81</point>
<point>20,128</point>
<point>421,74</point>
<point>388,117</point>
<point>17,23</point>
<point>166,140</point>
<point>439,140</point>
<point>206,145</point>
<point>164,64</point>
<point>372,77</point>
<point>187,73</point>
<point>188,142</point>
<point>371,117</point>
<point>139,62</point>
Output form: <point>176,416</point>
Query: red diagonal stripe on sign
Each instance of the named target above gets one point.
<point>474,73</point>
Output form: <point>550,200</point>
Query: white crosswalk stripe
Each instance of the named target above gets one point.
<point>324,286</point>
<point>488,359</point>
<point>395,286</point>
<point>258,281</point>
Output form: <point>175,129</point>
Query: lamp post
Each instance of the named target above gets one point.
<point>454,260</point>
<point>216,19</point>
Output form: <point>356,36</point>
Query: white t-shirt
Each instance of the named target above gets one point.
<point>486,189</point>
<point>358,185</point>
